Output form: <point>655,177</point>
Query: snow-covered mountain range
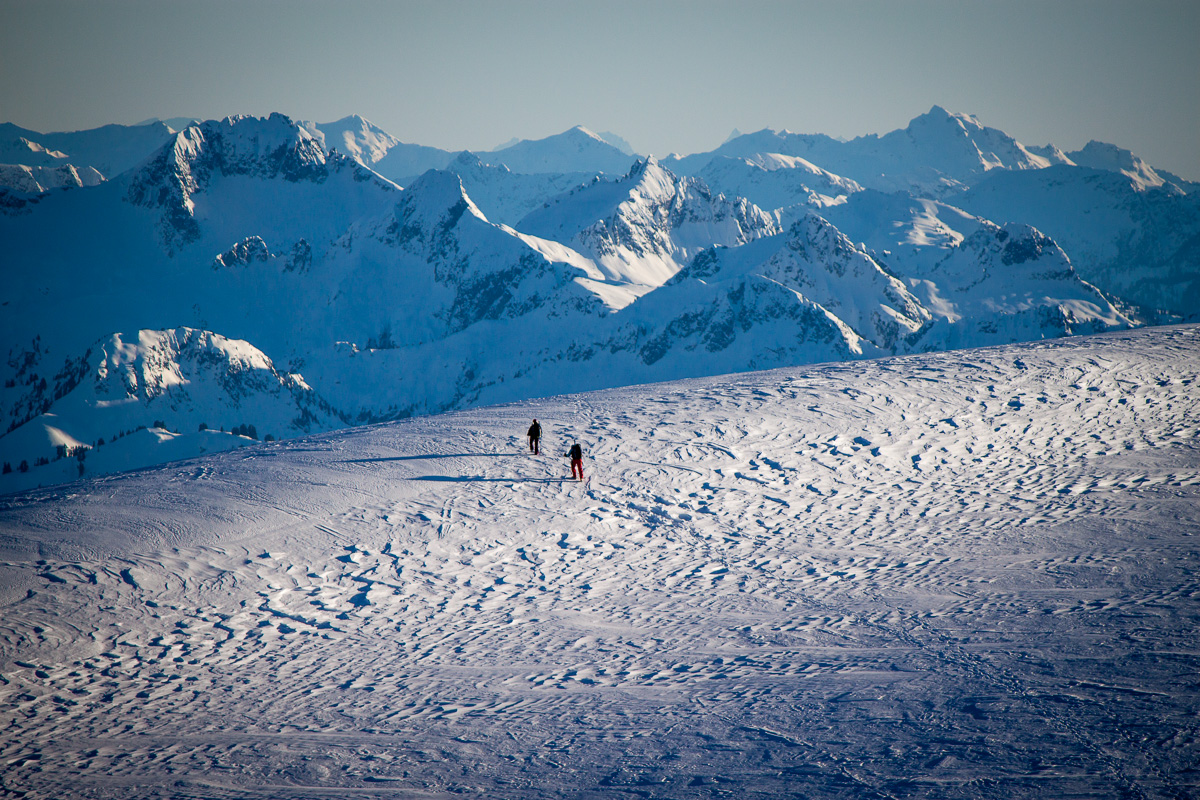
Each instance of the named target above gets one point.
<point>365,278</point>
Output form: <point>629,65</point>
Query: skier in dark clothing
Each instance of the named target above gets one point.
<point>535,433</point>
<point>576,456</point>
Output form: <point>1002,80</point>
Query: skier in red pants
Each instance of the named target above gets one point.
<point>576,456</point>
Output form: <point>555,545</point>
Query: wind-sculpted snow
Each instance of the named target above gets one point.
<point>962,575</point>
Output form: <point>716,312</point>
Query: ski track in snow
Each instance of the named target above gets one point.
<point>971,574</point>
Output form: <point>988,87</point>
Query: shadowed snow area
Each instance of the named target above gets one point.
<point>971,574</point>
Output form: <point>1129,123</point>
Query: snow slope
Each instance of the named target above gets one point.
<point>34,180</point>
<point>1010,283</point>
<point>1101,155</point>
<point>574,150</point>
<point>963,575</point>
<point>1138,241</point>
<point>864,310</point>
<point>357,138</point>
<point>171,243</point>
<point>197,387</point>
<point>772,181</point>
<point>110,149</point>
<point>506,196</point>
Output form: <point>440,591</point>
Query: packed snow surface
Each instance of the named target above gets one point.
<point>970,574</point>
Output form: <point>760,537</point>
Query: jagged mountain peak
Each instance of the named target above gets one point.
<point>264,137</point>
<point>109,149</point>
<point>266,146</point>
<point>437,199</point>
<point>867,308</point>
<point>649,172</point>
<point>938,152</point>
<point>1052,153</point>
<point>36,180</point>
<point>467,158</point>
<point>643,227</point>
<point>642,164</point>
<point>1010,282</point>
<point>352,121</point>
<point>774,181</point>
<point>939,125</point>
<point>1016,243</point>
<point>749,145</point>
<point>960,145</point>
<point>649,183</point>
<point>136,399</point>
<point>468,161</point>
<point>273,149</point>
<point>940,116</point>
<point>36,149</point>
<point>1005,250</point>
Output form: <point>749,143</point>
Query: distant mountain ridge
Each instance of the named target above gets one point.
<point>363,291</point>
<point>575,150</point>
<point>110,150</point>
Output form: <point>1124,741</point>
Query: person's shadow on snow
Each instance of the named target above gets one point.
<point>481,479</point>
<point>426,458</point>
<point>456,478</point>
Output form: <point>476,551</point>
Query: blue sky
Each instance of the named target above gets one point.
<point>667,76</point>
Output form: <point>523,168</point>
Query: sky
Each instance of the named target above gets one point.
<point>668,76</point>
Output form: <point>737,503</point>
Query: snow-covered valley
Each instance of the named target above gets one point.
<point>968,574</point>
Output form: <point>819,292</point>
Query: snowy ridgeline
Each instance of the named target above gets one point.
<point>962,575</point>
<point>235,279</point>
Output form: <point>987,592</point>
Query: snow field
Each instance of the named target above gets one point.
<point>972,574</point>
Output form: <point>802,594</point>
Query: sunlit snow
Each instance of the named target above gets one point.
<point>967,575</point>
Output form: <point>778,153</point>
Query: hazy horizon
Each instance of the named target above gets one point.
<point>667,77</point>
